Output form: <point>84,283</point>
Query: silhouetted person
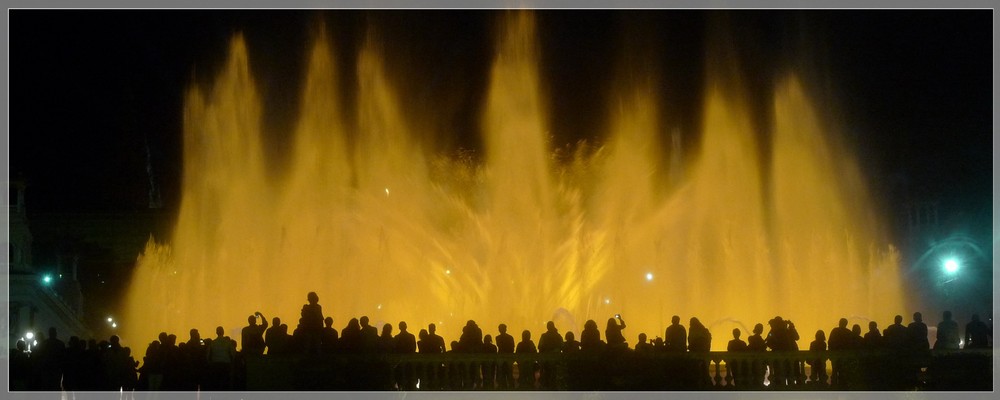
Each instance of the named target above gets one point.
<point>736,346</point>
<point>221,354</point>
<point>436,341</point>
<point>613,333</point>
<point>20,366</point>
<point>550,342</point>
<point>675,338</point>
<point>423,346</point>
<point>756,342</point>
<point>369,336</point>
<point>590,338</point>
<point>471,340</point>
<point>817,365</point>
<point>873,338</point>
<point>50,353</point>
<point>856,339</point>
<point>329,337</point>
<point>489,368</point>
<point>916,334</point>
<point>405,343</point>
<point>570,344</point>
<point>947,334</point>
<point>699,338</point>
<point>977,334</point>
<point>195,356</point>
<point>895,334</point>
<point>252,335</point>
<point>917,349</point>
<point>385,339</point>
<point>505,345</point>
<point>643,347</point>
<point>311,324</point>
<point>793,336</point>
<point>350,337</point>
<point>269,334</point>
<point>840,340</point>
<point>526,369</point>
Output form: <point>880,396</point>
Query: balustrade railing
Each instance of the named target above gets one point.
<point>795,370</point>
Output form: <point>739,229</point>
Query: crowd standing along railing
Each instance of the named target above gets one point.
<point>794,370</point>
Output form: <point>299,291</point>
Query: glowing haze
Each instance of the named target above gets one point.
<point>377,226</point>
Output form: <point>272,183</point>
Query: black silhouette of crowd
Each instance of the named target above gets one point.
<point>896,358</point>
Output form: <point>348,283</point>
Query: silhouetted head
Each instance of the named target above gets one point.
<point>612,323</point>
<point>856,329</point>
<point>758,329</point>
<point>570,336</point>
<point>642,338</point>
<point>526,335</point>
<point>590,324</point>
<point>947,315</point>
<point>873,326</point>
<point>162,336</point>
<point>675,320</point>
<point>454,345</point>
<point>898,319</point>
<point>386,329</point>
<point>52,333</point>
<point>402,326</point>
<point>842,323</point>
<point>312,297</point>
<point>658,342</point>
<point>431,328</point>
<point>550,326</point>
<point>328,322</point>
<point>218,332</point>
<point>422,334</point>
<point>21,346</point>
<point>502,328</point>
<point>820,335</point>
<point>364,321</point>
<point>353,324</point>
<point>488,339</point>
<point>917,317</point>
<point>736,333</point>
<point>115,340</point>
<point>252,320</point>
<point>695,322</point>
<point>275,321</point>
<point>195,335</point>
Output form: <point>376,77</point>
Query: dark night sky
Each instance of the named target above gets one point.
<point>89,88</point>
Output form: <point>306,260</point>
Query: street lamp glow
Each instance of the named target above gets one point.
<point>114,324</point>
<point>110,320</point>
<point>29,335</point>
<point>951,266</point>
<point>47,279</point>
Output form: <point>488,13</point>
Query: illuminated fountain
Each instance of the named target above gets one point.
<point>377,226</point>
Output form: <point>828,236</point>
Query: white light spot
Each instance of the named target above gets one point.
<point>951,266</point>
<point>386,192</point>
<point>379,307</point>
<point>30,335</point>
<point>447,272</point>
<point>110,319</point>
<point>649,276</point>
<point>607,301</point>
<point>114,324</point>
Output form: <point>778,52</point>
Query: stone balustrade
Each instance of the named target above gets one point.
<point>796,370</point>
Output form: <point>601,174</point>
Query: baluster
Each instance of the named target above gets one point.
<point>718,375</point>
